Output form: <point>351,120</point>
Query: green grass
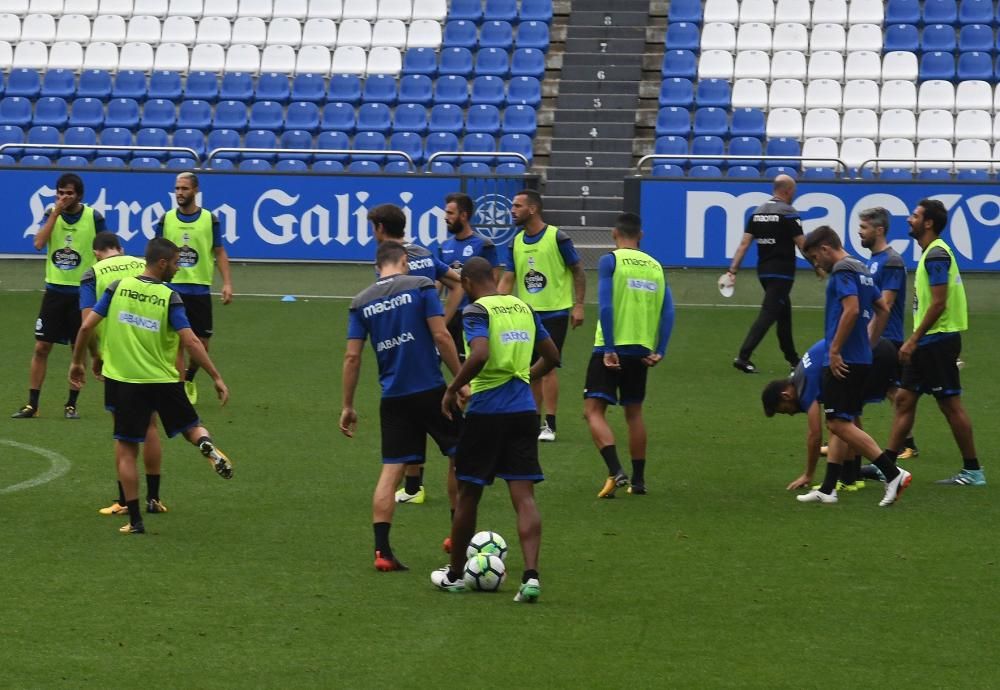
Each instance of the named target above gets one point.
<point>716,578</point>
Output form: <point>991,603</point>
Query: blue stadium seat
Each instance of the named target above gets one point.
<point>15,111</point>
<point>746,146</point>
<point>165,85</point>
<point>935,174</point>
<point>272,86</point>
<point>940,12</point>
<point>517,143</point>
<point>974,175</point>
<point>483,118</point>
<point>410,117</point>
<point>711,122</point>
<point>223,138</point>
<point>87,112</point>
<point>181,163</point>
<point>456,61</point>
<point>446,117</point>
<point>365,167</point>
<point>44,135</point>
<point>254,165</point>
<point>292,165</point>
<point>511,169</point>
<point>667,170</point>
<point>524,91</point>
<point>130,84</point>
<point>302,115</point>
<point>380,88</point>
<point>685,11</point>
<point>902,12</point>
<point>416,88</point>
<point>64,161</point>
<point>782,146</point>
<point>409,143</point>
<point>460,34</point>
<point>451,89</point>
<point>815,173</point>
<point>236,86</point>
<point>473,168</point>
<point>536,11</point>
<point>267,115</point>
<point>713,92</point>
<point>24,82</point>
<point>231,115</point>
<point>338,116</point>
<point>501,11</point>
<point>492,61</point>
<point>440,167</point>
<point>672,146</point>
<point>51,112</point>
<point>673,122</point>
<point>370,141</point>
<point>94,83</point>
<point>748,122</point>
<point>10,134</point>
<point>260,139</point>
<point>743,172</point>
<point>466,10</point>
<point>441,142</point>
<point>195,115</point>
<point>296,139</point>
<point>332,141</point>
<point>189,138</point>
<point>527,62</point>
<point>7,160</point>
<point>115,136</point>
<point>35,161</point>
<point>533,35</point>
<point>375,117</point>
<point>707,146</point>
<point>774,171</point>
<point>81,136</point>
<point>145,163</point>
<point>344,88</point>
<point>326,166</point>
<point>679,63</point>
<point>973,65</point>
<point>202,86</point>
<point>420,61</point>
<point>57,83</point>
<point>676,92</point>
<point>895,174</point>
<point>309,87</point>
<point>975,12</point>
<point>109,162</point>
<point>519,119</point>
<point>976,37</point>
<point>221,164</point>
<point>488,90</point>
<point>479,143</point>
<point>702,171</point>
<point>123,112</point>
<point>683,36</point>
<point>901,37</point>
<point>938,38</point>
<point>155,113</point>
<point>152,136</point>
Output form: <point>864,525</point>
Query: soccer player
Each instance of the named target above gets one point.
<point>851,301</point>
<point>500,434</point>
<point>112,264</point>
<point>930,354</point>
<point>801,393</point>
<point>463,244</point>
<point>402,316</point>
<point>389,223</point>
<point>636,317</point>
<point>776,229</point>
<point>145,325</point>
<point>889,271</point>
<point>549,277</point>
<point>67,234</point>
<point>197,232</point>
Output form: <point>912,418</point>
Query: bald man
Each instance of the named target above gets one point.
<point>777,230</point>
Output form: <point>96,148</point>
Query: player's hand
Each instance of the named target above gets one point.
<point>652,359</point>
<point>60,204</point>
<point>227,294</point>
<point>449,403</point>
<point>77,375</point>
<point>576,315</point>
<point>463,396</point>
<point>802,482</point>
<point>838,367</point>
<point>611,361</point>
<point>97,366</point>
<point>906,351</point>
<point>221,390</point>
<point>348,421</point>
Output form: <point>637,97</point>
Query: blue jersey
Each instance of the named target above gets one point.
<point>513,396</point>
<point>889,271</point>
<point>393,313</point>
<point>423,263</point>
<point>808,375</point>
<point>850,278</point>
<point>455,252</point>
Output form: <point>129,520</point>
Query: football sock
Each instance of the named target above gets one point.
<point>528,574</point>
<point>73,395</point>
<point>886,463</point>
<point>121,494</point>
<point>610,455</point>
<point>412,484</point>
<point>910,442</point>
<point>550,421</point>
<point>638,470</point>
<point>134,516</point>
<point>453,515</point>
<point>189,374</point>
<point>33,396</point>
<point>538,417</point>
<point>153,487</point>
<point>852,468</point>
<point>382,539</point>
<point>830,480</point>
<point>202,440</point>
<point>421,475</point>
<point>971,464</point>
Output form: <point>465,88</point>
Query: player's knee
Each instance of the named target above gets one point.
<point>42,349</point>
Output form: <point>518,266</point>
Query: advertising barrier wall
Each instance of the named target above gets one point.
<point>696,223</point>
<point>280,217</point>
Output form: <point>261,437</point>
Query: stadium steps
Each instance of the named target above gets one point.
<point>649,89</point>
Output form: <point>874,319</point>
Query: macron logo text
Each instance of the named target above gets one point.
<point>387,304</point>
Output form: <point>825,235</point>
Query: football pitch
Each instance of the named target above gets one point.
<point>717,578</point>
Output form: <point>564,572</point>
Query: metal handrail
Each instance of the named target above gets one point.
<point>102,147</point>
<point>722,156</point>
<point>475,154</point>
<point>878,162</point>
<point>329,152</point>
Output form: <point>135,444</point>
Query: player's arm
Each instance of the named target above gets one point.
<point>506,286</point>
<point>667,313</point>
<point>88,298</point>
<point>937,270</point>
<point>572,260</point>
<point>451,280</point>
<point>848,317</point>
<point>605,308</point>
<point>877,325</point>
<point>814,438</point>
<point>549,359</point>
<point>199,355</point>
<point>444,343</point>
<point>490,254</point>
<point>741,250</point>
<point>350,374</point>
<point>45,232</point>
<point>77,371</point>
<point>475,359</point>
<point>800,242</point>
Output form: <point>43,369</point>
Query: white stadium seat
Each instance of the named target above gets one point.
<point>752,64</point>
<point>784,122</point>
<point>313,59</point>
<point>863,64</point>
<point>243,58</point>
<point>727,11</point>
<point>787,93</point>
<point>824,93</point>
<point>829,12</point>
<point>326,9</point>
<point>436,10</point>
<point>788,64</point>
<point>826,64</point>
<point>101,55</point>
<point>866,12</point>
<point>395,9</point>
<point>974,95</point>
<point>900,64</point>
<point>757,11</point>
<point>424,33</point>
<point>296,9</point>
<point>222,8</point>
<point>897,123</point>
<point>790,36</point>
<point>151,8</point>
<point>934,153</point>
<point>718,36</point>
<point>389,32</point>
<point>824,149</point>
<point>827,37</point>
<point>969,124</point>
<point>899,94</point>
<point>749,93</point>
<point>977,150</point>
<point>250,30</point>
<point>186,8</point>
<point>936,94</point>
<point>208,57</point>
<point>856,151</point>
<point>320,32</point>
<point>822,122</point>
<point>38,27</point>
<point>996,100</point>
<point>936,124</point>
<point>897,153</point>
<point>284,31</point>
<point>715,64</point>
<point>118,8</point>
<point>755,36</point>
<point>216,30</point>
<point>261,9</point>
<point>996,152</point>
<point>53,7</point>
<point>65,55</point>
<point>143,29</point>
<point>72,27</point>
<point>384,60</point>
<point>348,60</point>
<point>360,9</point>
<point>136,56</point>
<point>31,55</point>
<point>793,11</point>
<point>861,93</point>
<point>355,32</point>
<point>16,7</point>
<point>110,28</point>
<point>10,28</point>
<point>179,29</point>
<point>88,8</point>
<point>6,55</point>
<point>864,37</point>
<point>859,123</point>
<point>278,59</point>
<point>171,57</point>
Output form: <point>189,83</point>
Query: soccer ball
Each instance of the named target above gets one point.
<point>487,542</point>
<point>485,572</point>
